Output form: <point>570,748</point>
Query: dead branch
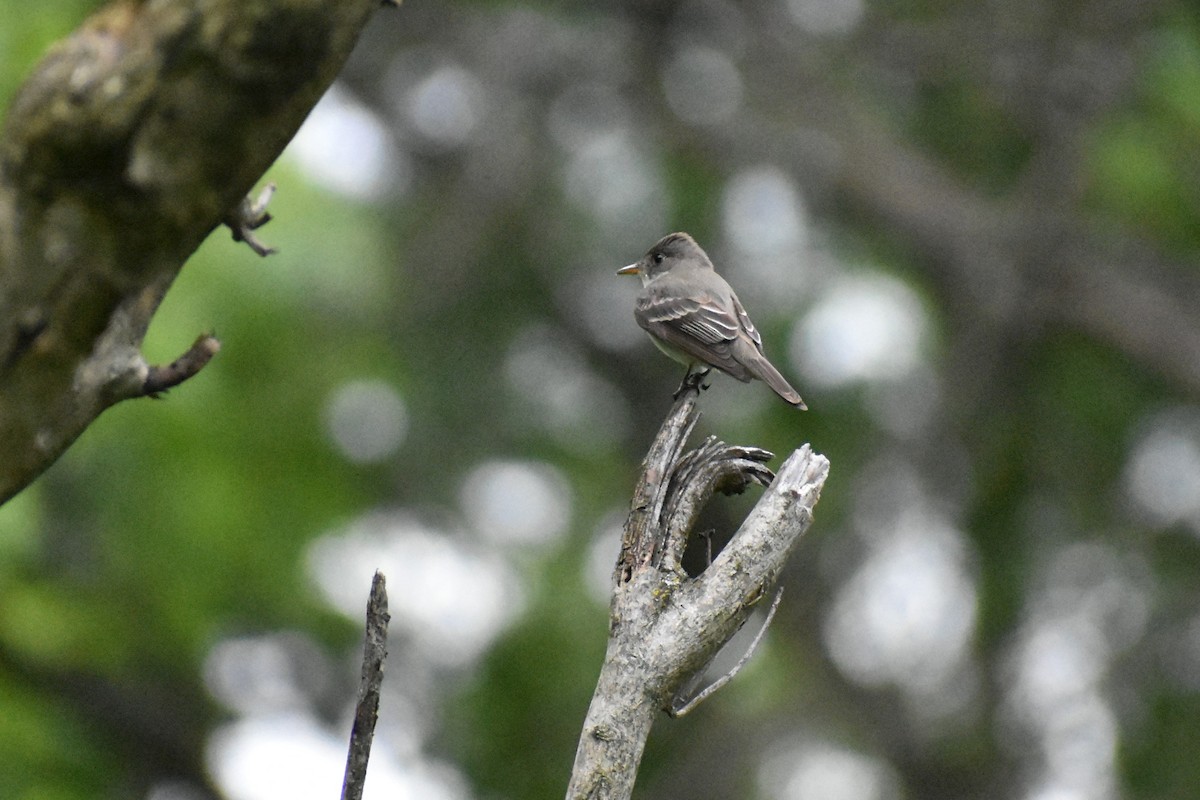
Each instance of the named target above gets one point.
<point>366,712</point>
<point>665,627</point>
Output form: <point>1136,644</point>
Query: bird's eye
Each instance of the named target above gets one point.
<point>658,258</point>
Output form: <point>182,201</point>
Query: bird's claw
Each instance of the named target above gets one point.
<point>693,380</point>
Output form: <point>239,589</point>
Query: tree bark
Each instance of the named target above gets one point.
<point>133,139</point>
<point>665,627</point>
<point>366,710</point>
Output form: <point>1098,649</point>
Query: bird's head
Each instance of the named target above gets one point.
<point>671,251</point>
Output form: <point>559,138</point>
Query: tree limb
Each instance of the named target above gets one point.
<point>132,139</point>
<point>664,626</point>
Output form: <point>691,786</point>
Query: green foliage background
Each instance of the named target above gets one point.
<point>174,525</point>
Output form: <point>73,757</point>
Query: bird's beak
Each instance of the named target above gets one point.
<point>632,269</point>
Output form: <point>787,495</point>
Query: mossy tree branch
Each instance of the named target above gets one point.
<point>131,141</point>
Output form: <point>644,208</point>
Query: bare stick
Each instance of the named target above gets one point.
<point>367,710</point>
<point>686,707</point>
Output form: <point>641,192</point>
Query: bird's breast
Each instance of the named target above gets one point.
<point>672,352</point>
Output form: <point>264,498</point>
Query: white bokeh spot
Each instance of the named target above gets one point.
<point>907,615</point>
<point>366,420</point>
<point>345,148</point>
<point>824,771</point>
<point>1163,471</point>
<point>447,105</point>
<point>293,756</point>
<point>866,328</point>
<point>827,17</point>
<point>453,597</point>
<point>517,502</point>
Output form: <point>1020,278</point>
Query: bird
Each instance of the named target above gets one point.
<point>693,316</point>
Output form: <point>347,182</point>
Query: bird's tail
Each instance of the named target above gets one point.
<point>765,371</point>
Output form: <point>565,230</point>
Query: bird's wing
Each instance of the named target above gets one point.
<point>699,324</point>
<point>756,361</point>
<point>747,326</point>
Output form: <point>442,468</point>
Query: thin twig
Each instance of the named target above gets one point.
<point>367,710</point>
<point>707,536</point>
<point>160,379</point>
<point>680,710</point>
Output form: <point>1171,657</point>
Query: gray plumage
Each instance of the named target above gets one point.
<point>695,317</point>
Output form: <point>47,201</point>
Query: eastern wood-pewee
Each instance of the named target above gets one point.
<point>694,317</point>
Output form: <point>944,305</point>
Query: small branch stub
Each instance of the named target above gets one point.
<point>249,216</point>
<point>160,379</point>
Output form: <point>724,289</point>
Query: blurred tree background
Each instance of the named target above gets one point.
<point>967,231</point>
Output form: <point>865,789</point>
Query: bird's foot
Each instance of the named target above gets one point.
<point>693,380</point>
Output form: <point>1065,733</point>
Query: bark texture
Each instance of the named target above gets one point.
<point>366,711</point>
<point>665,627</point>
<point>133,139</point>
